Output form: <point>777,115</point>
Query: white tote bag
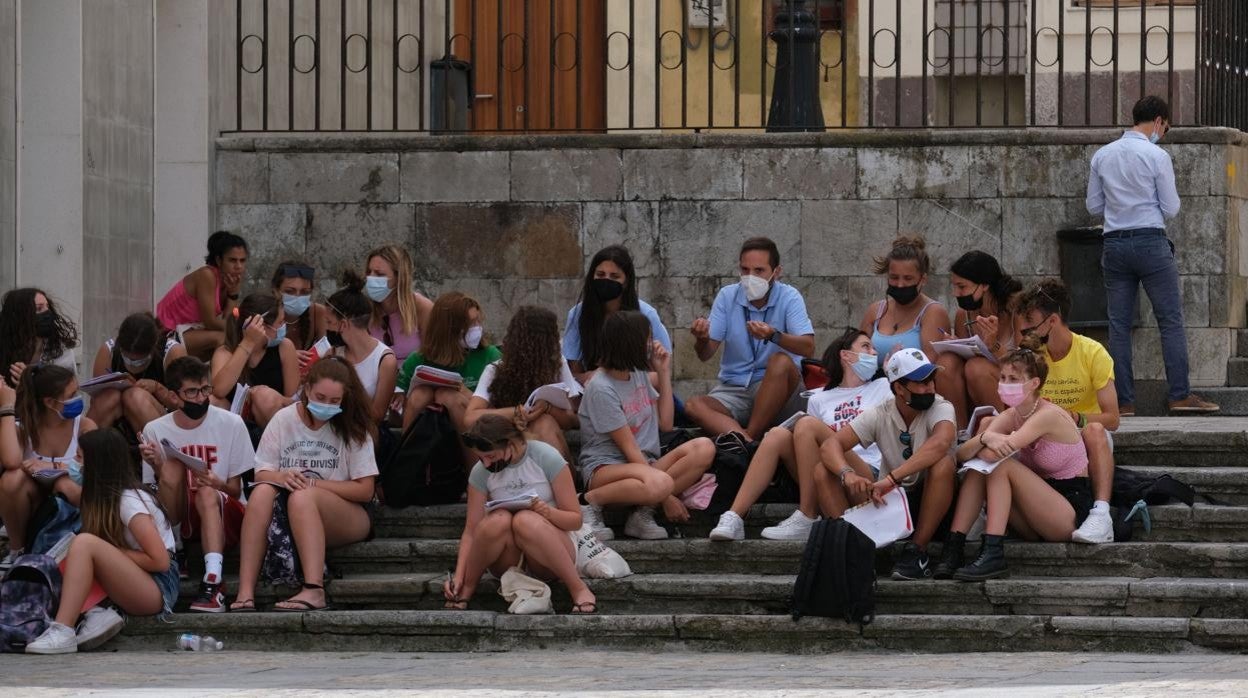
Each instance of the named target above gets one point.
<point>527,595</point>
<point>594,560</point>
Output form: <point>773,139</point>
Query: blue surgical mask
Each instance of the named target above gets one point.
<point>866,366</point>
<point>1154,138</point>
<point>296,306</point>
<point>322,412</point>
<point>377,288</point>
<point>75,472</point>
<point>136,366</point>
<point>73,407</point>
<point>281,334</point>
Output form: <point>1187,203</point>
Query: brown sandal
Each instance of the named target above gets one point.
<point>243,606</point>
<point>585,608</point>
<point>455,605</point>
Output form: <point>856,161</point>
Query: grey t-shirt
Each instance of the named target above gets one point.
<point>609,404</point>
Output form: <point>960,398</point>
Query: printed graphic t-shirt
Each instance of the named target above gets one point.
<point>288,444</point>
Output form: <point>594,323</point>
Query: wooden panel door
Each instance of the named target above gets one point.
<point>538,65</point>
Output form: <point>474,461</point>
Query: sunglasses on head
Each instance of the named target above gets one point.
<point>298,271</point>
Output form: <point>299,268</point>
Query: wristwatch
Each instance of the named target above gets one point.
<point>775,335</point>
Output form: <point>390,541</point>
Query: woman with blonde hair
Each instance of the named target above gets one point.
<point>399,313</point>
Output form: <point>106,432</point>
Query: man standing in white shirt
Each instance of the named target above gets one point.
<point>1132,184</point>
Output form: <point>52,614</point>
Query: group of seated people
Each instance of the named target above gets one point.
<point>287,468</point>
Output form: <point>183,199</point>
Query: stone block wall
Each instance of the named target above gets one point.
<point>514,220</point>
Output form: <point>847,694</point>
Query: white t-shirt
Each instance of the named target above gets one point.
<point>368,370</point>
<point>135,502</point>
<point>883,425</point>
<point>565,377</point>
<point>541,464</point>
<point>221,441</point>
<point>288,444</point>
<point>839,406</point>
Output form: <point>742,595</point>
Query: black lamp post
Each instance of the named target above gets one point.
<point>795,102</point>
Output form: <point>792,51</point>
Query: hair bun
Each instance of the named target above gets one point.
<point>915,241</point>
<point>352,281</point>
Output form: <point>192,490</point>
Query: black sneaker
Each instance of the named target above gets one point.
<point>912,564</point>
<point>184,572</point>
<point>950,556</point>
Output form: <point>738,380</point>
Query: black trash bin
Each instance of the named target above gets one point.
<point>1079,250</point>
<point>450,94</point>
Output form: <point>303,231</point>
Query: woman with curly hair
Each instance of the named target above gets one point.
<point>530,360</point>
<point>454,341</point>
<point>34,333</point>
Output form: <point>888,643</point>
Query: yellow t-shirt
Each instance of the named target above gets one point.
<point>1074,381</point>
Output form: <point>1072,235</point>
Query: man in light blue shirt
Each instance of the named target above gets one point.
<point>765,331</point>
<point>1132,185</point>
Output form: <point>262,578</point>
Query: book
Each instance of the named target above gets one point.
<point>190,462</point>
<point>318,351</point>
<point>983,466</point>
<point>967,348</point>
<point>977,415</point>
<point>516,503</point>
<point>791,422</point>
<point>49,475</point>
<point>108,381</point>
<point>240,398</point>
<point>883,524</point>
<point>437,377</point>
<point>556,394</point>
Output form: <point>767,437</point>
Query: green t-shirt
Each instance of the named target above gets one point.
<point>471,370</point>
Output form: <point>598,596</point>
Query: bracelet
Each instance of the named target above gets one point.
<point>8,412</point>
<point>894,480</point>
<point>845,471</point>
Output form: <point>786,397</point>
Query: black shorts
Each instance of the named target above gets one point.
<point>1077,491</point>
<point>782,489</point>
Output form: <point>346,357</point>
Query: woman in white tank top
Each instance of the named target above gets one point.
<point>374,362</point>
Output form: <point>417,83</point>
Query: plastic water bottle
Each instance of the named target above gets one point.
<point>195,643</point>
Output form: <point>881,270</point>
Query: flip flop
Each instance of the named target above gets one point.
<point>307,605</point>
<point>247,606</point>
<point>454,605</point>
<point>586,608</point>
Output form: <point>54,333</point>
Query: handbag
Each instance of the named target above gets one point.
<point>594,560</point>
<point>527,595</point>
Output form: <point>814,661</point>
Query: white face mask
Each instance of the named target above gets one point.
<point>755,287</point>
<point>472,338</point>
<point>377,288</point>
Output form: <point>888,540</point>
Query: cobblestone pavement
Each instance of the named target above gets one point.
<point>614,673</point>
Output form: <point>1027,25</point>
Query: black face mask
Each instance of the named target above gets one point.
<point>606,290</point>
<point>1034,341</point>
<point>904,295</point>
<point>335,339</point>
<point>45,325</point>
<point>969,303</point>
<point>498,465</point>
<point>195,410</point>
<point>921,402</point>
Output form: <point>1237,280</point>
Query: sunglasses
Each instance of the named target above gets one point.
<point>479,444</point>
<point>1031,330</point>
<point>298,271</point>
<point>908,451</point>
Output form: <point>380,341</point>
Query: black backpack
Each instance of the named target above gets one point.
<point>426,466</point>
<point>1134,492</point>
<point>837,577</point>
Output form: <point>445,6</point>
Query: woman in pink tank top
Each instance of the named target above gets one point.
<point>1040,485</point>
<point>196,306</point>
<point>399,313</point>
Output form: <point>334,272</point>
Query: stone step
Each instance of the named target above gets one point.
<point>1183,441</point>
<point>701,556</point>
<point>748,594</point>
<point>466,631</point>
<point>1237,371</point>
<point>1171,522</point>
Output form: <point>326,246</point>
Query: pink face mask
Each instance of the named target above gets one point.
<point>1011,394</point>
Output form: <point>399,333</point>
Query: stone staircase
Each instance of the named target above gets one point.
<point>1180,587</point>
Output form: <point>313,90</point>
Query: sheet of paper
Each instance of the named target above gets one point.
<point>191,462</point>
<point>967,348</point>
<point>556,394</point>
<point>883,524</point>
<point>516,503</point>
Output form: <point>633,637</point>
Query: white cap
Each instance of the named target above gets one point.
<point>908,364</point>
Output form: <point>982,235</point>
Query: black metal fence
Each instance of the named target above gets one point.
<point>693,65</point>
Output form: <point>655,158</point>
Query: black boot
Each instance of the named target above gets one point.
<point>989,565</point>
<point>950,556</point>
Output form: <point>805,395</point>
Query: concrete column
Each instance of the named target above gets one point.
<point>50,152</point>
<point>184,138</point>
<point>8,144</point>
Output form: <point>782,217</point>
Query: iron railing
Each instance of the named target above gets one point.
<point>693,65</point>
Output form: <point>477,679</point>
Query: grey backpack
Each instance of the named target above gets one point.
<point>29,595</point>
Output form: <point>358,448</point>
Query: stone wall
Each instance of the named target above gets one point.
<point>8,143</point>
<point>514,220</point>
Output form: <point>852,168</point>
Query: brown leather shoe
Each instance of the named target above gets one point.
<point>1126,410</point>
<point>1193,404</point>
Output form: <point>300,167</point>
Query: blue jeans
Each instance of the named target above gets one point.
<point>1146,257</point>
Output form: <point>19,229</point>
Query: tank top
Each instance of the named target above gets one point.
<point>179,308</point>
<point>71,452</point>
<point>155,370</point>
<point>391,334</point>
<point>1054,459</point>
<point>368,370</point>
<point>266,372</point>
<point>885,344</point>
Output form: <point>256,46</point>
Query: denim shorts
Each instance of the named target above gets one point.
<point>168,583</point>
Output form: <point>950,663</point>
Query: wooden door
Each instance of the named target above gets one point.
<point>538,65</point>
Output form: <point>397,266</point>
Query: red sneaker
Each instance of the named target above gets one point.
<point>211,597</point>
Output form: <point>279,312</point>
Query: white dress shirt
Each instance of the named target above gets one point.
<point>1132,184</point>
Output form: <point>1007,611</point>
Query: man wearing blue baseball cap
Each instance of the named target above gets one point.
<point>915,432</point>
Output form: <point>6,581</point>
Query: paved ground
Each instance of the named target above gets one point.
<point>608,673</point>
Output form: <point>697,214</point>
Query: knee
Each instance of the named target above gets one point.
<point>658,486</point>
<point>806,427</point>
<point>1094,434</point>
<point>206,498</point>
<point>301,500</point>
<point>944,469</point>
<point>702,449</point>
<point>777,436</point>
<point>525,524</point>
<point>83,543</point>
<point>545,425</point>
<point>108,400</point>
<point>495,524</point>
<point>14,481</point>
<point>134,398</point>
<point>949,362</point>
<point>696,406</point>
<point>979,368</point>
<point>780,362</point>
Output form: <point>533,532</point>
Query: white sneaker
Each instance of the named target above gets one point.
<point>730,527</point>
<point>57,639</point>
<point>796,527</point>
<point>641,524</point>
<point>1097,528</point>
<point>592,515</point>
<point>98,626</point>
